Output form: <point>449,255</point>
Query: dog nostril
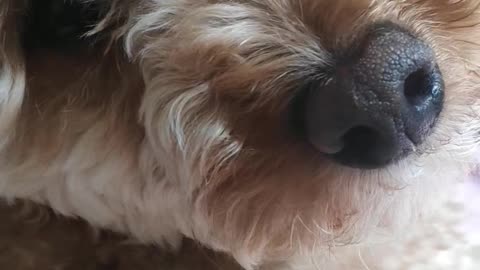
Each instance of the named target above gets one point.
<point>360,137</point>
<point>359,141</point>
<point>418,87</point>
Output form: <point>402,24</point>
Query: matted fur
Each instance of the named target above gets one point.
<point>176,123</point>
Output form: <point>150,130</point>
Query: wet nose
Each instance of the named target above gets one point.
<point>379,105</point>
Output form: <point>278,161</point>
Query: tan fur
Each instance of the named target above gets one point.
<point>176,124</point>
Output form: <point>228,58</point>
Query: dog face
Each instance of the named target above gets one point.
<point>270,128</point>
<point>295,125</point>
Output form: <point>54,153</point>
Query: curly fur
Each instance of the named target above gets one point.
<point>173,122</point>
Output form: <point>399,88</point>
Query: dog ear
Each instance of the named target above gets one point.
<point>12,64</point>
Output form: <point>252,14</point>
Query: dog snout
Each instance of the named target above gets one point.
<point>380,106</point>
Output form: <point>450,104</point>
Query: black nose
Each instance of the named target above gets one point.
<point>380,104</point>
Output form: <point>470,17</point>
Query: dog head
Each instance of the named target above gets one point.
<point>296,125</point>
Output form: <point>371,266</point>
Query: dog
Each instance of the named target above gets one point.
<point>275,131</point>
